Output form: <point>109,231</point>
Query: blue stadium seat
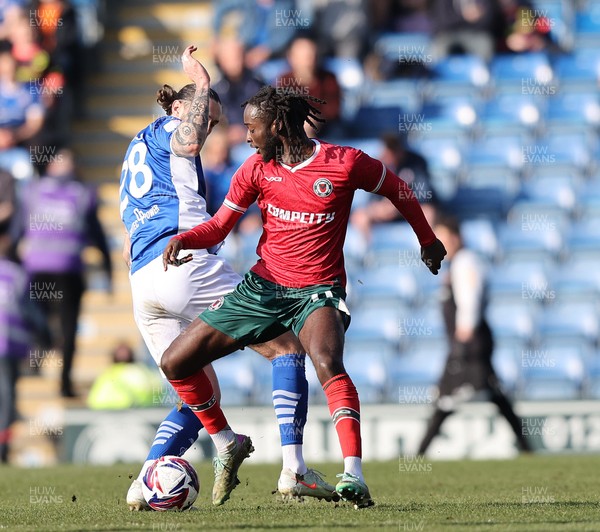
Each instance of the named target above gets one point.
<point>270,70</point>
<point>579,279</point>
<point>574,108</point>
<point>558,190</point>
<point>448,114</point>
<point>552,373</point>
<point>512,110</point>
<point>575,320</point>
<point>414,376</point>
<point>518,280</point>
<point>463,70</point>
<point>513,319</point>
<point>587,22</point>
<point>580,69</point>
<point>480,236</point>
<point>442,152</point>
<point>350,76</point>
<point>592,371</point>
<point>240,152</point>
<point>506,361</point>
<point>501,178</point>
<point>485,152</point>
<point>569,150</point>
<point>406,46</point>
<point>237,378</point>
<point>583,235</point>
<point>369,372</point>
<point>514,69</point>
<point>404,93</point>
<point>372,121</point>
<point>387,282</point>
<point>377,324</point>
<point>479,202</point>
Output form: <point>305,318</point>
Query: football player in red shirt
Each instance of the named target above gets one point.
<point>304,189</point>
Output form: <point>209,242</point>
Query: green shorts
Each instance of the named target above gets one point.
<point>258,310</point>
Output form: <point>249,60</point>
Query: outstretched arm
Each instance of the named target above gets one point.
<point>190,135</point>
<point>202,236</point>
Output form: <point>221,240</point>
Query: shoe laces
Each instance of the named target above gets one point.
<point>316,472</point>
<point>348,476</point>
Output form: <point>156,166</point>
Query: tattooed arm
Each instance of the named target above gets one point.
<point>190,135</point>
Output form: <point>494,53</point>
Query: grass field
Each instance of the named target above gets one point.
<point>531,493</point>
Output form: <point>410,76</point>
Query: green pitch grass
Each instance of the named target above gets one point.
<point>532,493</point>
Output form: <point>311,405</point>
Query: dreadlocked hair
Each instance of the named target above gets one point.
<point>288,107</point>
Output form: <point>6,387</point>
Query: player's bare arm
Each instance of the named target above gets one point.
<point>190,135</point>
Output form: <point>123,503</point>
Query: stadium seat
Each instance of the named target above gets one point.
<point>270,70</point>
<point>240,152</point>
<point>579,279</point>
<point>372,121</point>
<point>502,178</point>
<point>552,373</point>
<point>350,76</point>
<point>558,190</point>
<point>583,235</point>
<point>414,376</point>
<point>387,282</point>
<point>377,325</point>
<point>485,152</point>
<point>587,25</point>
<point>513,319</point>
<point>510,68</point>
<point>506,361</point>
<point>578,69</point>
<point>236,377</point>
<point>369,372</point>
<point>475,202</point>
<point>575,320</point>
<point>449,114</point>
<point>444,152</point>
<point>404,93</point>
<point>512,110</point>
<point>569,150</point>
<point>480,236</point>
<point>524,280</point>
<point>462,70</point>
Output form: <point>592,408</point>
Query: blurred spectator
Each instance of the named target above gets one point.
<point>465,27</point>
<point>7,200</point>
<point>407,16</point>
<point>218,171</point>
<point>14,337</point>
<point>58,218</point>
<point>342,27</point>
<point>237,84</point>
<point>125,384</point>
<point>21,117</point>
<point>10,10</point>
<point>32,60</point>
<point>468,370</point>
<point>308,77</point>
<point>412,168</point>
<point>526,30</point>
<point>264,26</point>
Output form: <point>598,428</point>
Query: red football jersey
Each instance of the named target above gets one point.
<point>305,210</point>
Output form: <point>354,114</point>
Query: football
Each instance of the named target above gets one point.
<point>170,483</point>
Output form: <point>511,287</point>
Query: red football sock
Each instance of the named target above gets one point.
<point>344,407</point>
<point>197,392</point>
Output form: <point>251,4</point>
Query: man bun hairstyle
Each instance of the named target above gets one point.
<point>167,95</point>
<point>288,107</point>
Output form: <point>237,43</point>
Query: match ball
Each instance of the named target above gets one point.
<point>170,483</point>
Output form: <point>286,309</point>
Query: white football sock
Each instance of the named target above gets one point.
<point>353,465</point>
<point>293,459</point>
<point>224,440</point>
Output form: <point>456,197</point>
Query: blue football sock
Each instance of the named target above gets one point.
<point>290,397</point>
<point>176,433</point>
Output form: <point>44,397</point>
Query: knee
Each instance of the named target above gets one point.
<point>169,365</point>
<point>327,364</point>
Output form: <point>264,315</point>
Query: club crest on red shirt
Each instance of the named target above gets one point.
<point>322,187</point>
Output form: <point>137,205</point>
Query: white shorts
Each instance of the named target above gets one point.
<point>165,303</point>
